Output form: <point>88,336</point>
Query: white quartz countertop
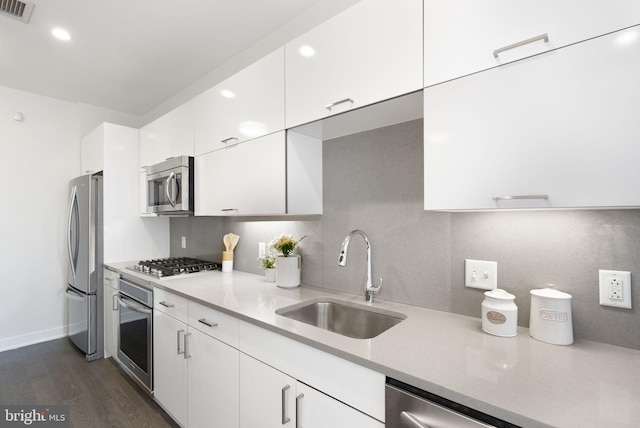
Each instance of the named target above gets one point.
<point>519,379</point>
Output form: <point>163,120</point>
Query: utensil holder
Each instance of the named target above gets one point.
<point>227,261</point>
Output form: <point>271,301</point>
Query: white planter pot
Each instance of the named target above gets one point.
<point>288,271</point>
<point>270,274</point>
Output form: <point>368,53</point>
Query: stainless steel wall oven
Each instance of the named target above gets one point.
<point>135,331</point>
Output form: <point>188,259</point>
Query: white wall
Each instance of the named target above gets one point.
<point>40,155</point>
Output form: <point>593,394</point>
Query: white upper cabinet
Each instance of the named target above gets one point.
<point>168,136</point>
<point>92,151</point>
<point>466,36</point>
<point>249,104</point>
<point>243,179</point>
<point>368,53</point>
<point>557,130</point>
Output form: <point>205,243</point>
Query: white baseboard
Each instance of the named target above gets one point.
<point>16,342</point>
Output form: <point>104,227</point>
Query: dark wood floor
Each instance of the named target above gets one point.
<point>98,393</point>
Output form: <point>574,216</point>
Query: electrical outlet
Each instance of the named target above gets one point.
<point>262,249</point>
<point>481,274</point>
<point>615,288</point>
<point>183,242</point>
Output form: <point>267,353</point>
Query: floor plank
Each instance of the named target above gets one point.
<point>99,393</point>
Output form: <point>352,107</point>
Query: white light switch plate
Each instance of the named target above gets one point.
<point>615,288</point>
<point>481,274</point>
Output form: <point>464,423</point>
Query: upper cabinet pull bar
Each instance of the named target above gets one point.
<point>509,198</point>
<point>332,105</point>
<point>544,37</point>
<point>227,140</point>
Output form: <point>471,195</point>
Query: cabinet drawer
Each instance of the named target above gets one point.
<point>214,323</point>
<point>171,304</point>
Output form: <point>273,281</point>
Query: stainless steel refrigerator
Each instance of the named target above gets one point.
<point>84,280</point>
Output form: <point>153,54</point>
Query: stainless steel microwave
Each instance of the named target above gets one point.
<point>170,186</point>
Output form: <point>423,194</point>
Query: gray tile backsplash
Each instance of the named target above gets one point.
<point>374,181</point>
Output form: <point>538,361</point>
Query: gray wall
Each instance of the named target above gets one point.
<point>374,181</point>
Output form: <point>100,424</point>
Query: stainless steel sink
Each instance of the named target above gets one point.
<point>345,318</point>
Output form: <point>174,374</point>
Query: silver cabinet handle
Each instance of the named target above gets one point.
<point>228,209</point>
<point>512,197</point>
<point>332,105</point>
<point>186,350</point>
<point>285,418</point>
<point>298,418</point>
<point>226,140</point>
<point>207,323</point>
<point>411,421</point>
<point>544,37</point>
<point>178,336</point>
<point>166,305</point>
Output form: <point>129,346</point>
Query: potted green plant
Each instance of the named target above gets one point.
<point>268,263</point>
<point>288,265</point>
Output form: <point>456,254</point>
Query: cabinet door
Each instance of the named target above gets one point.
<point>245,179</point>
<point>168,136</point>
<point>317,410</point>
<point>368,53</point>
<point>248,105</point>
<point>461,36</point>
<point>214,378</point>
<point>170,365</point>
<point>562,124</point>
<point>92,151</point>
<point>110,314</point>
<point>267,396</point>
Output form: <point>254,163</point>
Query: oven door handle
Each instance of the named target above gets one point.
<point>130,304</point>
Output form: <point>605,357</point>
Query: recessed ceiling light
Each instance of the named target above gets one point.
<point>61,34</point>
<point>307,51</point>
<point>227,93</point>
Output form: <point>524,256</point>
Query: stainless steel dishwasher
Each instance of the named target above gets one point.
<point>410,407</point>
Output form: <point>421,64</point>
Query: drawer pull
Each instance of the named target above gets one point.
<point>544,37</point>
<point>207,323</point>
<point>166,305</point>
<point>332,105</point>
<point>509,197</point>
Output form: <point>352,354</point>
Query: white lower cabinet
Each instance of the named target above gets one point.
<point>170,385</point>
<point>110,289</point>
<point>213,374</point>
<point>196,376</point>
<point>270,398</point>
<point>267,396</point>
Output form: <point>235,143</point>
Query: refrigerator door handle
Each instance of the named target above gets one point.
<point>73,258</point>
<point>74,295</point>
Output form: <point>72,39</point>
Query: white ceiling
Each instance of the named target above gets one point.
<point>132,55</point>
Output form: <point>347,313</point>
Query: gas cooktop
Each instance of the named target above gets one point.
<point>161,268</point>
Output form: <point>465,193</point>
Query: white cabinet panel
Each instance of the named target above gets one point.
<point>248,105</point>
<point>214,382</point>
<point>168,136</point>
<point>267,396</point>
<point>92,151</point>
<point>170,365</point>
<point>562,124</point>
<point>461,36</point>
<point>244,179</point>
<point>318,410</point>
<point>110,287</point>
<point>368,53</point>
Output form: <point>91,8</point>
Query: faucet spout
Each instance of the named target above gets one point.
<point>369,289</point>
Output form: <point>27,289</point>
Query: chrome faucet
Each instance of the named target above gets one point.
<point>369,289</point>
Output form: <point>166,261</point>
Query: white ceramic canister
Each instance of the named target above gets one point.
<point>550,319</point>
<point>499,313</point>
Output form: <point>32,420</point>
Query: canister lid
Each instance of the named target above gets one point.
<point>550,293</point>
<point>499,294</point>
